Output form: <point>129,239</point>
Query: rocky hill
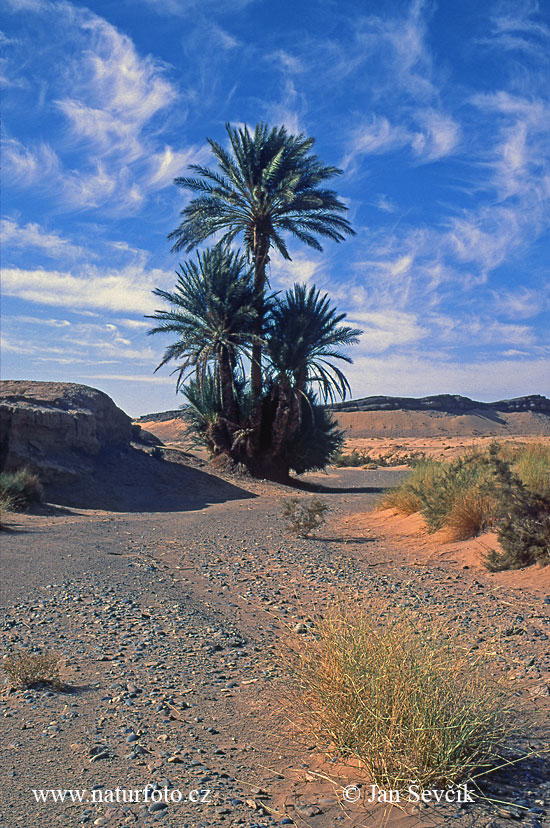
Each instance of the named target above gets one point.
<point>58,428</point>
<point>449,403</point>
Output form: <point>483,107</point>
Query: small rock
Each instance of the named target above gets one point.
<point>157,806</point>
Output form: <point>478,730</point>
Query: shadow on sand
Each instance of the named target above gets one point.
<point>319,488</point>
<point>134,481</point>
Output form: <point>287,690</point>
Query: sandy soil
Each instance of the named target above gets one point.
<point>169,624</point>
<point>439,424</point>
<point>434,434</point>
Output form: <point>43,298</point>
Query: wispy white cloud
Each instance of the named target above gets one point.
<point>383,329</point>
<point>183,8</point>
<point>26,166</point>
<point>127,290</point>
<point>429,134</point>
<point>439,137</point>
<point>523,303</point>
<point>32,235</point>
<point>417,375</point>
<point>113,102</point>
<point>515,29</point>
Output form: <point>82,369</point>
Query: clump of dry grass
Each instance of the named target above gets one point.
<point>22,487</point>
<point>26,669</point>
<point>532,465</point>
<point>405,698</point>
<point>471,512</point>
<point>303,518</point>
<point>6,505</point>
<point>506,487</point>
<point>406,498</point>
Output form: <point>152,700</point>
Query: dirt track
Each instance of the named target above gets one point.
<point>168,623</point>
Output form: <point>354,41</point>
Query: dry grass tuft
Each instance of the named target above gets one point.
<point>405,698</point>
<point>22,488</point>
<point>471,513</point>
<point>6,505</point>
<point>406,498</point>
<point>532,466</point>
<point>26,669</point>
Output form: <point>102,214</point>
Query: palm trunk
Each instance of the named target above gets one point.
<point>230,408</point>
<point>260,251</point>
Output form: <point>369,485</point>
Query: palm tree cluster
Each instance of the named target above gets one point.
<point>268,184</point>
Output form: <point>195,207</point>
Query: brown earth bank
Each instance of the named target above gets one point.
<point>169,625</point>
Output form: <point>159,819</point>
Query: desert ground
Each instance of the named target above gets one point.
<point>169,622</point>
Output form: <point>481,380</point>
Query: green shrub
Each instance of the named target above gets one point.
<point>22,487</point>
<point>404,698</point>
<point>462,477</point>
<point>302,518</point>
<point>407,498</point>
<point>524,522</point>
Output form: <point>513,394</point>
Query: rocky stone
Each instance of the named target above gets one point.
<point>57,429</point>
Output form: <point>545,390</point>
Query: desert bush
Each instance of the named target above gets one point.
<point>458,495</point>
<point>482,490</point>
<point>406,498</point>
<point>26,669</point>
<point>524,522</point>
<point>532,465</point>
<point>356,459</point>
<point>303,518</point>
<point>6,505</point>
<point>22,487</point>
<point>469,478</point>
<point>405,698</point>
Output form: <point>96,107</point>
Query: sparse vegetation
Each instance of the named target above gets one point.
<point>304,517</point>
<point>404,697</point>
<point>20,489</point>
<point>532,465</point>
<point>356,459</point>
<point>6,505</point>
<point>524,526</point>
<point>406,497</point>
<point>27,669</point>
<point>505,488</point>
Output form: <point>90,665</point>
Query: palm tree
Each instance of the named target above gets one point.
<point>267,185</point>
<point>304,336</point>
<point>212,313</point>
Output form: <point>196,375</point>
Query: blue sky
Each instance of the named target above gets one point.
<point>438,114</point>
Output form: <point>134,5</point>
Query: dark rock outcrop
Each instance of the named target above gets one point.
<point>449,403</point>
<point>58,429</point>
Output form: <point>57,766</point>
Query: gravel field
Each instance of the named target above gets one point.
<point>168,624</point>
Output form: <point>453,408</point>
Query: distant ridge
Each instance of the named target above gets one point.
<point>448,403</point>
<point>161,416</point>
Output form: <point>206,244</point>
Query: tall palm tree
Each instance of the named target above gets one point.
<point>213,315</point>
<point>268,184</point>
<point>304,337</point>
